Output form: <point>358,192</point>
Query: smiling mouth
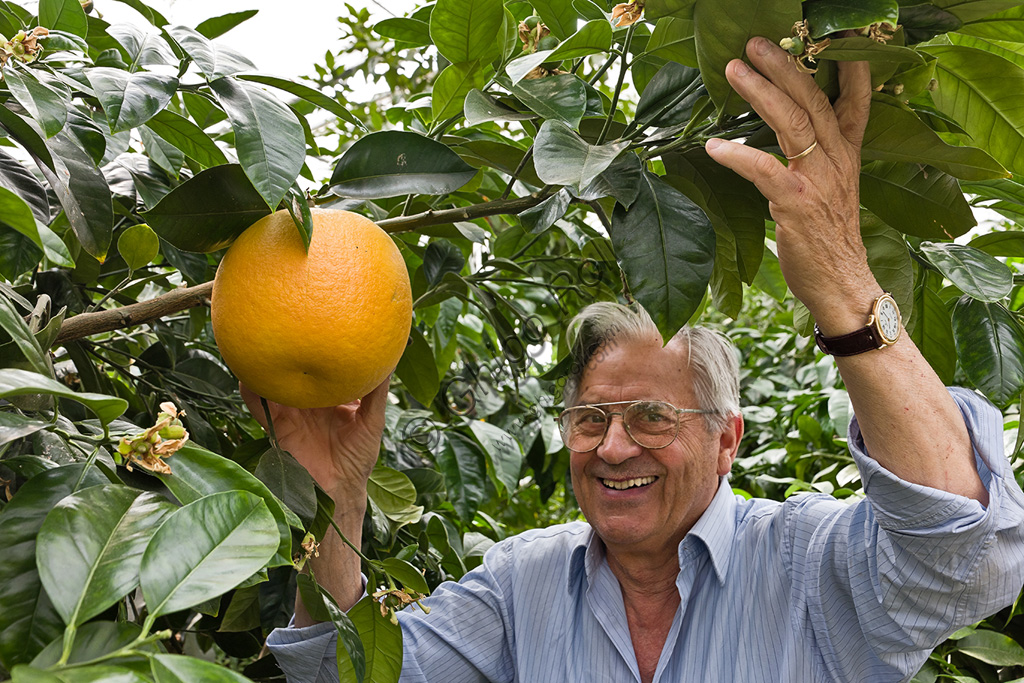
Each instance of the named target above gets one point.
<point>628,483</point>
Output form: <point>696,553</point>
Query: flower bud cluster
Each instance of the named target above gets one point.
<point>161,440</point>
<point>24,46</point>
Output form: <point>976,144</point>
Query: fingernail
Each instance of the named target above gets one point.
<point>761,46</point>
<point>742,69</point>
<point>712,144</point>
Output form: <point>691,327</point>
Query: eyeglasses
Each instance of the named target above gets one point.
<point>651,424</point>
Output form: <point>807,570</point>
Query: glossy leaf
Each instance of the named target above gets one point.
<point>382,643</point>
<point>889,260</point>
<point>410,577</point>
<point>393,493</point>
<point>594,37</point>
<point>138,246</point>
<point>562,97</point>
<point>684,9</point>
<point>215,60</point>
<point>97,673</point>
<point>467,30</point>
<point>392,163</point>
<point>504,454</point>
<point>481,107</point>
<point>665,245</point>
<point>289,481</point>
<point>925,21</point>
<point>543,216</point>
<point>99,534</point>
<point>896,134</point>
<point>130,99</point>
<point>47,105</point>
<point>831,16</point>
<point>462,463</point>
<point>621,181</point>
<point>181,569</point>
<point>562,157</point>
<point>16,178</point>
<point>416,368</point>
<point>992,647</point>
<point>722,29</point>
<point>196,473</point>
<point>405,29</point>
<point>451,87</point>
<point>915,200</point>
<point>673,39</point>
<point>977,274</point>
<point>21,336</point>
<point>182,669</point>
<point>1005,25</point>
<point>64,15</point>
<point>14,382</point>
<point>990,347</point>
<point>144,48</point>
<point>933,333</point>
<point>218,26</point>
<point>559,16</point>
<point>304,92</point>
<point>28,621</point>
<point>92,640</point>
<point>985,94</point>
<point>268,138</point>
<point>14,427</point>
<point>209,211</point>
<point>861,48</point>
<point>188,137</point>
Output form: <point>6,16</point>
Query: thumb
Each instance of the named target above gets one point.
<point>374,403</point>
<point>253,402</point>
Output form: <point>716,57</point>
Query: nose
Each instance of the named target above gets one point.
<point>617,445</point>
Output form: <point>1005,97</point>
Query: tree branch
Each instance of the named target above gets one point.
<point>87,324</point>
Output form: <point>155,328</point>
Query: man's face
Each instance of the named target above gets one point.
<point>656,515</point>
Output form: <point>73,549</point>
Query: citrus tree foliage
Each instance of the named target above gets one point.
<point>527,160</point>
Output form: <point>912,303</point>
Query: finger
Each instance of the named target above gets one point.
<point>777,66</point>
<point>791,123</point>
<point>765,171</point>
<point>854,103</point>
<point>252,401</point>
<point>376,401</point>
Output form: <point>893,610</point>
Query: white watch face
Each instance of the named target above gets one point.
<point>888,320</point>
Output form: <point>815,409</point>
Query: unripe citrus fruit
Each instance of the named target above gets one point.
<point>318,329</point>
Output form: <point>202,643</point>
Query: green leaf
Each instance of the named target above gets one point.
<point>392,163</point>
<point>562,97</point>
<point>862,48</point>
<point>392,492</point>
<point>182,568</point>
<point>1013,52</point>
<point>289,481</point>
<point>924,22</point>
<point>130,99</point>
<point>92,640</point>
<point>151,15</point>
<point>462,463</point>
<point>306,93</point>
<point>91,674</point>
<point>990,347</point>
<point>214,60</point>
<point>47,105</point>
<point>916,200</point>
<point>992,648</point>
<point>889,260</point>
<point>416,369</point>
<point>977,274</point>
<point>504,454</point>
<point>64,15</point>
<point>243,613</point>
<point>683,9</point>
<point>410,577</point>
<point>831,16</point>
<point>933,333</point>
<point>188,137</point>
<point>467,30</point>
<point>621,181</point>
<point>896,134</point>
<point>28,620</point>
<point>18,330</point>
<point>182,669</point>
<point>209,211</point>
<point>405,29</point>
<point>722,29</point>
<point>218,26</point>
<point>14,382</point>
<point>665,245</point>
<point>16,178</point>
<point>268,138</point>
<point>452,86</point>
<point>1005,243</point>
<point>197,473</point>
<point>382,643</point>
<point>1005,25</point>
<point>138,246</point>
<point>985,94</point>
<point>559,16</point>
<point>99,534</point>
<point>14,427</point>
<point>593,38</point>
<point>673,39</point>
<point>481,108</point>
<point>543,216</point>
<point>562,157</point>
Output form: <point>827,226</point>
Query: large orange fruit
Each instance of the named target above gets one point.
<point>318,329</point>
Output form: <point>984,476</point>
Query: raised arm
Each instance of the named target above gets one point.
<point>910,424</point>
<point>339,447</point>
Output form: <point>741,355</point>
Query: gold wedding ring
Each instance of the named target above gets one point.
<point>804,153</point>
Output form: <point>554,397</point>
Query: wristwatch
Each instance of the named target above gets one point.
<point>883,329</point>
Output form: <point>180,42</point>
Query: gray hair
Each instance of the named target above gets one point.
<point>711,356</point>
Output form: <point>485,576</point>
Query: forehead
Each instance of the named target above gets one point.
<point>633,370</point>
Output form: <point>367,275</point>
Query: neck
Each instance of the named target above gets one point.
<point>645,574</point>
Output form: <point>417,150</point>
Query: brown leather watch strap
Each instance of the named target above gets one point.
<point>850,344</point>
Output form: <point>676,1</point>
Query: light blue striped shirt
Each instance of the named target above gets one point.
<point>812,589</point>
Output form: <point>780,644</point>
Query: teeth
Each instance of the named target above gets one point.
<point>628,483</point>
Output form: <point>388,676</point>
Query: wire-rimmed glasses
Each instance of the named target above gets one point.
<point>651,424</point>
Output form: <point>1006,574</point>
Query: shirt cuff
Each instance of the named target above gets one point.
<point>905,506</point>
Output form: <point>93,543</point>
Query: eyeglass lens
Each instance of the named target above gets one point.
<point>652,424</point>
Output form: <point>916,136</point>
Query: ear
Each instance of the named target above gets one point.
<point>729,443</point>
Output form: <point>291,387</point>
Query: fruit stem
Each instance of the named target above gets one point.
<point>270,422</point>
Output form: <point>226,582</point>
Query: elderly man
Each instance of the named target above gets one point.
<point>673,577</point>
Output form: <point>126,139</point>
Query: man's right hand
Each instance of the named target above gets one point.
<point>338,446</point>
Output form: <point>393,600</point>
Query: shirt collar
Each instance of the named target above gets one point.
<point>716,528</point>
